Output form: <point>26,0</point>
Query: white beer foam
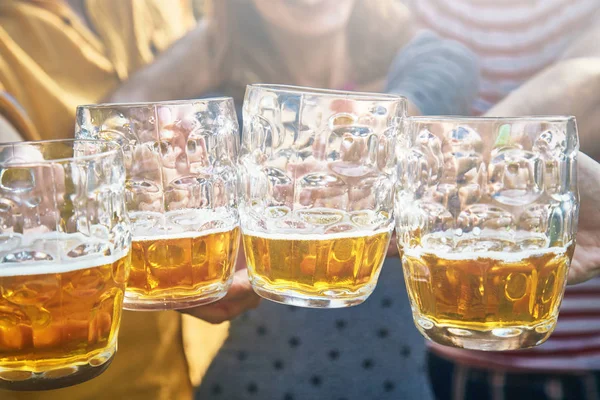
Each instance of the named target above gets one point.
<point>313,236</point>
<point>190,224</point>
<point>61,263</point>
<point>501,256</point>
<point>184,235</point>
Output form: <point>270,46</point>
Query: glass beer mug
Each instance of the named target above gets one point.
<point>486,213</point>
<point>180,159</point>
<point>64,261</point>
<point>316,170</point>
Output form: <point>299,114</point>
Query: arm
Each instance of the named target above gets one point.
<point>191,66</point>
<point>587,44</point>
<point>438,76</point>
<point>569,87</point>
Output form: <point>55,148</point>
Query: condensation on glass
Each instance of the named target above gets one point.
<point>180,159</point>
<point>486,213</point>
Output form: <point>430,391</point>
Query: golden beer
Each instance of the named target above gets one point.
<point>318,268</point>
<point>59,327</point>
<point>473,300</point>
<point>181,271</point>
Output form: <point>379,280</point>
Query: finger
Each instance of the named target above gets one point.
<point>240,288</point>
<point>224,310</point>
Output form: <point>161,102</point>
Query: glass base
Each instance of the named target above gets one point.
<point>339,298</point>
<point>498,339</point>
<point>206,295</point>
<point>22,380</point>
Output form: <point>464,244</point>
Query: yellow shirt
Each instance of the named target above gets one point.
<point>49,63</point>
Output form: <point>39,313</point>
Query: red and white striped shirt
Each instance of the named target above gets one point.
<point>514,39</point>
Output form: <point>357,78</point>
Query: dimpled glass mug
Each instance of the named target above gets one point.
<point>180,159</point>
<point>64,261</point>
<point>486,213</point>
<point>316,175</point>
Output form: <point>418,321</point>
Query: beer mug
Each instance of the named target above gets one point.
<point>64,261</point>
<point>316,203</point>
<point>180,159</point>
<point>486,213</point>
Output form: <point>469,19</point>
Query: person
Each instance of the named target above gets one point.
<point>517,42</point>
<point>348,44</point>
<point>58,54</point>
<point>55,55</point>
<point>537,57</point>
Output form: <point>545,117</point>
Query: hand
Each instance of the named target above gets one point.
<point>586,262</point>
<point>238,300</point>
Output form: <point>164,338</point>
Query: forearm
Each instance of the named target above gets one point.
<point>569,87</point>
<point>438,76</point>
<point>587,44</point>
<point>185,70</point>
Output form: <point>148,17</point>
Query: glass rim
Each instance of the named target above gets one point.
<point>113,148</point>
<point>335,93</point>
<point>554,119</point>
<point>155,103</point>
